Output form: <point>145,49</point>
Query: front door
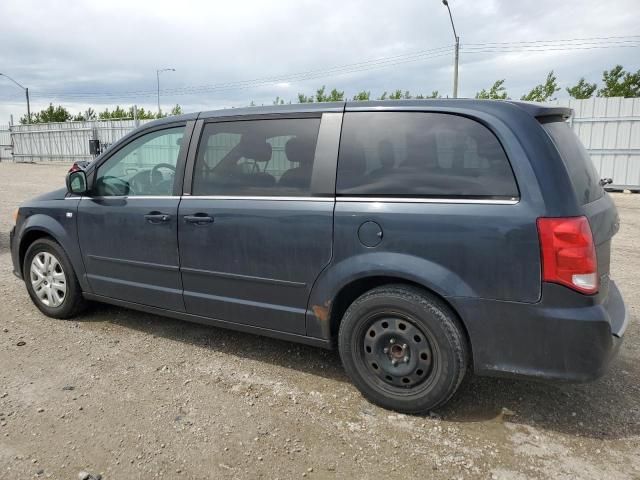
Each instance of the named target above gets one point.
<point>127,227</point>
<point>253,234</point>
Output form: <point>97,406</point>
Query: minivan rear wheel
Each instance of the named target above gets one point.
<point>403,348</point>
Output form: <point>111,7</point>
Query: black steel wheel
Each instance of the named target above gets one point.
<point>403,348</point>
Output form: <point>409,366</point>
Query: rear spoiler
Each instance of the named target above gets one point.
<point>544,113</point>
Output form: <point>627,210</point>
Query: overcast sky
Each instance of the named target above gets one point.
<point>103,53</point>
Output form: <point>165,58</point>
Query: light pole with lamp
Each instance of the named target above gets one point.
<point>455,65</point>
<point>26,91</point>
<point>158,72</point>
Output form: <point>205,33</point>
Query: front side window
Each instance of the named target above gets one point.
<point>421,155</point>
<point>146,166</point>
<point>256,158</point>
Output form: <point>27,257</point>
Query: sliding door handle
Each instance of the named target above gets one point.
<point>198,219</point>
<point>154,217</point>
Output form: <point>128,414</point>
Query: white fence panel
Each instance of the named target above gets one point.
<point>5,143</point>
<point>608,127</point>
<point>67,141</point>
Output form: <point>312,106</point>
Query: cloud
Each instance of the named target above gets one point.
<point>89,53</point>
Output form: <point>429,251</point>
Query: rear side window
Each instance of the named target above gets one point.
<point>421,154</point>
<point>256,158</point>
<point>582,172</point>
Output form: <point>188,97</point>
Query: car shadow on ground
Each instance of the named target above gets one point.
<point>607,409</point>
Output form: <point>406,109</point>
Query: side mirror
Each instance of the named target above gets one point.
<point>77,182</point>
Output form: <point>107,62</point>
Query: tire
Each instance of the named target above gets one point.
<point>58,294</point>
<point>403,348</point>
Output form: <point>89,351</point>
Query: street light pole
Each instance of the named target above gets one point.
<point>26,91</point>
<point>158,72</point>
<point>457,51</point>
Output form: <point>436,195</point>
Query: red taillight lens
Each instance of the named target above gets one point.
<point>568,253</point>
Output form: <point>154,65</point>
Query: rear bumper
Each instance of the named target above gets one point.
<point>566,336</point>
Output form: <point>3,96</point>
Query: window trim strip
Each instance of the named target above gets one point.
<point>354,199</point>
<point>479,201</point>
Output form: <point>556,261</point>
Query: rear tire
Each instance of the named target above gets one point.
<point>403,348</point>
<point>51,281</point>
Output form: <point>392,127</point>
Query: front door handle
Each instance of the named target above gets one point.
<point>198,219</point>
<point>157,217</point>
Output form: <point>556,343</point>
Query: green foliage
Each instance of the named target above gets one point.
<point>362,96</point>
<point>383,96</point>
<point>543,92</point>
<point>396,95</point>
<point>88,114</point>
<point>118,113</point>
<point>619,83</point>
<point>496,92</point>
<point>321,96</point>
<point>177,110</point>
<point>144,114</point>
<point>582,89</point>
<point>278,101</point>
<point>49,114</point>
<point>434,94</point>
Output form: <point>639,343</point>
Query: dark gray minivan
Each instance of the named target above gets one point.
<point>424,238</point>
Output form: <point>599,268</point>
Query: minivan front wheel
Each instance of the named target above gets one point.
<point>403,348</point>
<point>51,281</point>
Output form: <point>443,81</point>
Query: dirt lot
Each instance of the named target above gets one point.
<point>135,396</point>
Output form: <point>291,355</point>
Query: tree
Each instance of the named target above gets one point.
<point>49,114</point>
<point>383,96</point>
<point>496,92</point>
<point>142,114</point>
<point>434,94</point>
<point>396,95</point>
<point>335,96</point>
<point>177,110</point>
<point>582,89</point>
<point>543,92</point>
<point>88,115</point>
<point>362,96</point>
<point>278,101</point>
<point>320,96</point>
<point>115,114</point>
<point>619,83</point>
<point>304,99</point>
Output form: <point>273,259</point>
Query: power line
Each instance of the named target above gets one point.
<point>363,65</point>
<point>544,49</point>
<point>587,39</point>
<point>628,41</point>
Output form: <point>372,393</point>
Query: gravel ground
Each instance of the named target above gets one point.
<point>134,396</point>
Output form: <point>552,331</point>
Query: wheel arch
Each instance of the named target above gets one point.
<point>27,240</point>
<point>44,226</point>
<point>342,283</point>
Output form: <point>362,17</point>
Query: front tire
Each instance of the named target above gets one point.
<point>403,348</point>
<point>51,281</point>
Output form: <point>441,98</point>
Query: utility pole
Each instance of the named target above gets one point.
<point>158,72</point>
<point>457,51</point>
<point>26,91</point>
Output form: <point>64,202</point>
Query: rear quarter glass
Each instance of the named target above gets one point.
<point>584,177</point>
<point>419,154</point>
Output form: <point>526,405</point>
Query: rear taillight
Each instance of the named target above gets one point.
<point>568,253</point>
